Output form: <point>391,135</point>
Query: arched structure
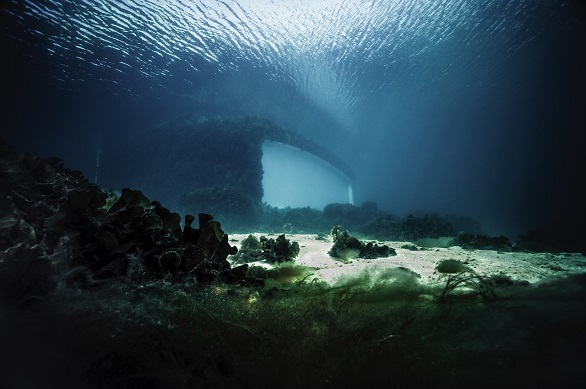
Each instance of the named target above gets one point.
<point>215,165</point>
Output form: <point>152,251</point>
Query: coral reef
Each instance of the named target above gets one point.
<point>31,191</point>
<point>89,298</point>
<point>341,214</point>
<point>137,227</point>
<point>410,246</point>
<point>50,214</point>
<point>428,226</point>
<point>304,220</point>
<point>365,220</point>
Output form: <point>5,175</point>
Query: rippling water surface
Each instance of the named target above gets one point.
<point>337,54</point>
<point>437,98</point>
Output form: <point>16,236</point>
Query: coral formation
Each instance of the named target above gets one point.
<point>250,250</point>
<point>346,247</point>
<point>61,235</point>
<point>544,241</point>
<point>48,210</point>
<point>278,250</point>
<point>270,250</point>
<point>410,246</point>
<point>135,226</point>
<point>341,214</point>
<point>31,191</point>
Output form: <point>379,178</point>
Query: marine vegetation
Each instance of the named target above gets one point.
<point>266,249</point>
<point>278,250</point>
<point>458,276</point>
<point>110,291</point>
<point>136,229</point>
<point>346,247</point>
<point>250,250</point>
<point>49,210</point>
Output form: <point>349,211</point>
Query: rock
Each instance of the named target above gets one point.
<point>52,219</point>
<point>483,242</point>
<point>346,247</point>
<point>278,250</point>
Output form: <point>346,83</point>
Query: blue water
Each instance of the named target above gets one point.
<point>468,107</point>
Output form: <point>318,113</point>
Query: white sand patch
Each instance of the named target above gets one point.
<point>518,266</point>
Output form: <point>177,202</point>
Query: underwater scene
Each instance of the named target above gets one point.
<point>292,194</point>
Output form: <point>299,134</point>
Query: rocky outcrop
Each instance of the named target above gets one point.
<point>55,227</point>
<point>346,247</point>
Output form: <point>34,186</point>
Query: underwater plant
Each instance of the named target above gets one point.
<point>278,250</point>
<point>459,276</point>
<point>94,293</point>
<point>346,247</point>
<point>250,250</point>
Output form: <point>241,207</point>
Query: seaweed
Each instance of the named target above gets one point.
<point>278,250</point>
<point>459,276</point>
<point>53,218</point>
<point>250,250</point>
<point>346,246</point>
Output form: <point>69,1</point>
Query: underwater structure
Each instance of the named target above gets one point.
<point>214,165</point>
<point>471,109</point>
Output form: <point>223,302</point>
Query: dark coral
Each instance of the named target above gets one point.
<point>270,250</point>
<point>368,220</point>
<point>31,191</point>
<point>137,227</point>
<point>344,242</point>
<point>278,250</point>
<point>250,250</point>
<point>52,218</point>
<point>304,220</point>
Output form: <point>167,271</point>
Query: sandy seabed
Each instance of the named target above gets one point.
<point>519,266</point>
<point>160,336</point>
